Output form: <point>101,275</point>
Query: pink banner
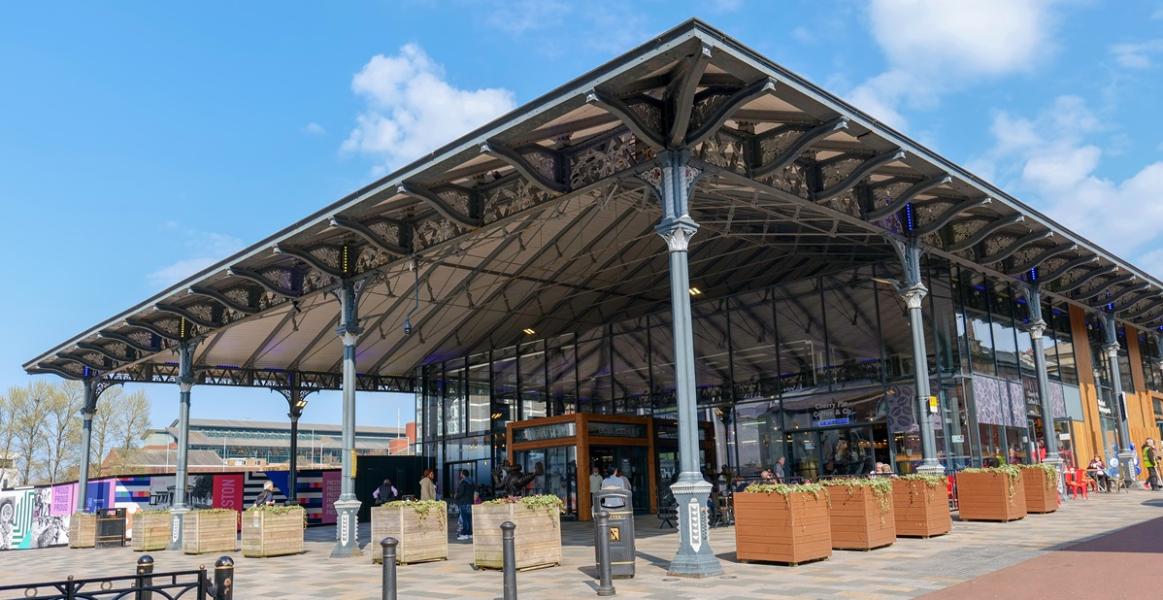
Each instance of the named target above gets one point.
<point>332,485</point>
<point>228,491</point>
<point>63,500</point>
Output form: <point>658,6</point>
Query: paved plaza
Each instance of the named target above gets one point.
<point>1070,541</point>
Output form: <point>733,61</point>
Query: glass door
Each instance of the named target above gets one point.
<point>633,464</point>
<point>805,455</point>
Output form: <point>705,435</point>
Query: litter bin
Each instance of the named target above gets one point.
<point>619,503</point>
<point>110,527</point>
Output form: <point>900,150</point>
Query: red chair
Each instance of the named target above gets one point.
<point>1076,482</point>
<point>950,491</point>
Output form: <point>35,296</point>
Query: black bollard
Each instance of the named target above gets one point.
<point>224,578</point>
<point>144,580</point>
<point>510,560</point>
<point>388,545</point>
<point>605,579</point>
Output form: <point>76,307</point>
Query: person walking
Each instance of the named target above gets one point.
<point>595,485</point>
<point>385,493</point>
<point>267,496</point>
<point>1150,461</point>
<point>428,485</point>
<point>465,494</point>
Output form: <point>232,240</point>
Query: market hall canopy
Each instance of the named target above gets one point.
<point>543,220</point>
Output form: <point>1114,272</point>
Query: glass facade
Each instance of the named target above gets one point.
<point>817,371</point>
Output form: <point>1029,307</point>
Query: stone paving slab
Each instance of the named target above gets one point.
<point>908,568</point>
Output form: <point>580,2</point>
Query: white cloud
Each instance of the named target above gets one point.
<point>937,46</point>
<point>412,110</point>
<point>1051,163</point>
<point>314,128</point>
<point>203,248</point>
<point>1136,55</point>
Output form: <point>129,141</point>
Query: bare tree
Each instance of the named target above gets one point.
<point>133,415</point>
<point>62,429</point>
<point>8,422</point>
<point>31,412</point>
<point>105,423</point>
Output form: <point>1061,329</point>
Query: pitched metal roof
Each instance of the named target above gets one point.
<point>543,219</point>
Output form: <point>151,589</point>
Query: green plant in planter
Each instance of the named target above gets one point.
<point>274,509</point>
<point>538,502</point>
<point>1011,472</point>
<point>1051,475</point>
<point>881,489</point>
<point>931,481</point>
<point>421,507</point>
<point>785,490</point>
<point>211,511</point>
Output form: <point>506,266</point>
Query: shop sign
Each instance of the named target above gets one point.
<point>831,422</point>
<point>1064,436</point>
<point>957,439</point>
<point>622,430</point>
<point>837,412</point>
<point>544,432</point>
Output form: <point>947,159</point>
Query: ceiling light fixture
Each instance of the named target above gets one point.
<point>528,331</point>
<point>695,291</point>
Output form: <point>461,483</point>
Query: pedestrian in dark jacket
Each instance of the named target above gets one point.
<point>465,492</point>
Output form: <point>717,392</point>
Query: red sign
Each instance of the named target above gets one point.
<point>228,491</point>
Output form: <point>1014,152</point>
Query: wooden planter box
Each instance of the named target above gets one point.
<point>210,531</point>
<point>151,530</point>
<point>83,530</point>
<point>267,532</point>
<point>858,521</point>
<point>788,529</point>
<point>422,537</point>
<point>920,510</point>
<point>990,497</point>
<point>1039,497</point>
<point>536,541</point>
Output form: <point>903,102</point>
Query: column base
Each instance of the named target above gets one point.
<point>1127,469</point>
<point>177,527</point>
<point>346,529</point>
<point>695,557</point>
<point>1055,461</point>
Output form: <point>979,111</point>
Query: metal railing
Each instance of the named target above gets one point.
<point>195,584</point>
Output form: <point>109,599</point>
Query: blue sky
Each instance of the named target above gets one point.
<point>141,141</point>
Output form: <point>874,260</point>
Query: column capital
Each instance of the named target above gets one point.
<point>677,232</point>
<point>1036,329</point>
<point>1111,350</point>
<point>913,295</point>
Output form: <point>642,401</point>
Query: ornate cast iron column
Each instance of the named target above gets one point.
<point>673,182</point>
<point>87,411</point>
<point>296,402</point>
<point>1126,453</point>
<point>185,384</point>
<point>347,507</point>
<point>1036,328</point>
<point>912,291</point>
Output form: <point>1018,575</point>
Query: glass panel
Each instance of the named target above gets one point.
<point>847,451</point>
<point>631,362</point>
<point>805,462</point>
<point>853,331</point>
<point>558,468</point>
<point>956,416</point>
<point>532,364</point>
<point>801,336</point>
<point>662,361</point>
<point>712,356</point>
<point>594,371</point>
<point>1063,335</point>
<point>759,437</point>
<point>562,375</point>
<point>896,333</point>
<point>454,403</point>
<point>478,393</point>
<point>1004,332</point>
<point>753,347</point>
<point>942,317</point>
<point>978,334</point>
<point>1124,361</point>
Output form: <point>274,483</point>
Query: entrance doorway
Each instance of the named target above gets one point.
<point>632,461</point>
